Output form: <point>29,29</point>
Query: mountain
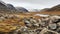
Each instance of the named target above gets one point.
<point>2,6</point>
<point>9,8</point>
<point>5,8</point>
<point>21,9</point>
<point>34,10</point>
<point>55,10</point>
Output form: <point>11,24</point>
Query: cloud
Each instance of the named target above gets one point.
<point>33,3</point>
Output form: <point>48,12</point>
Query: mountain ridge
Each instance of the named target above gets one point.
<point>9,8</point>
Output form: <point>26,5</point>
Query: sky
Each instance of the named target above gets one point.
<point>33,4</point>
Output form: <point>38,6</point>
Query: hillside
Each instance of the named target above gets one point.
<point>54,10</point>
<point>9,8</point>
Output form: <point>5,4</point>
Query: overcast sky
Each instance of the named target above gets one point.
<point>33,4</point>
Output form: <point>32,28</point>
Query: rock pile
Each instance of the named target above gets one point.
<point>49,25</point>
<point>43,25</point>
